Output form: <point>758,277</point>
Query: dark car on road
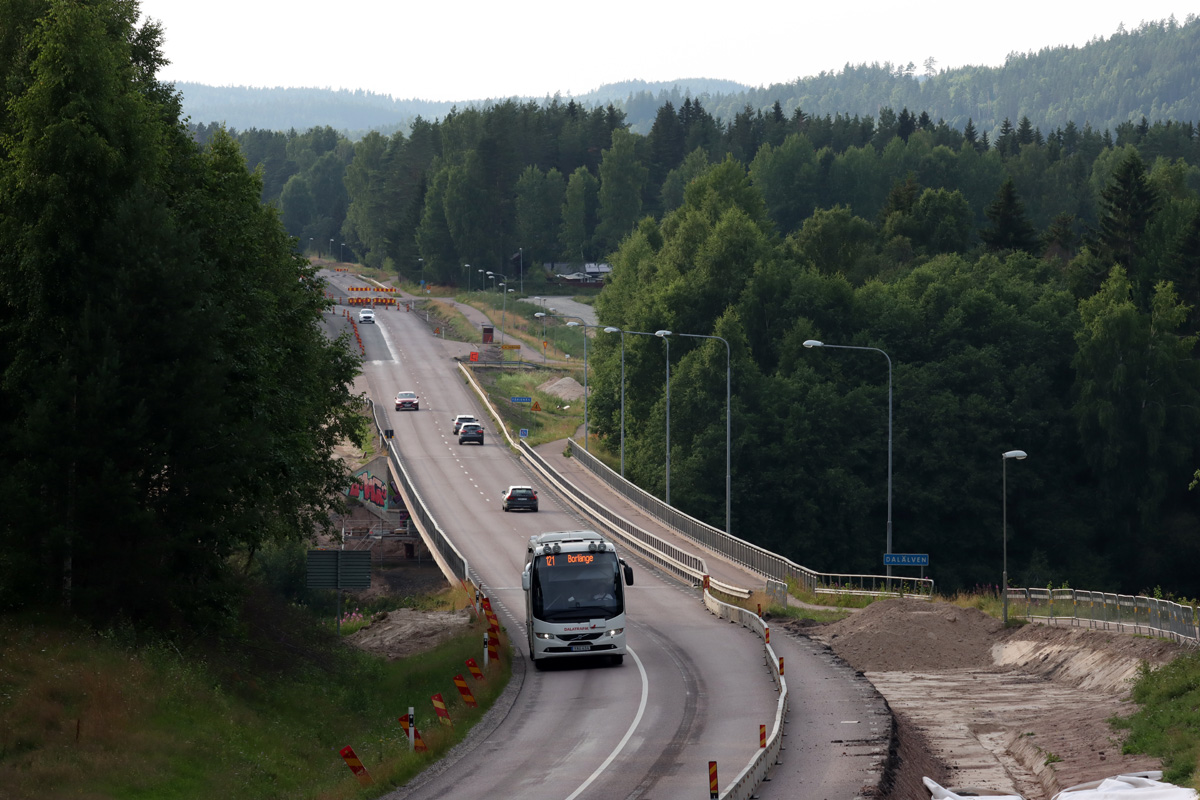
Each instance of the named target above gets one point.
<point>519,497</point>
<point>470,432</point>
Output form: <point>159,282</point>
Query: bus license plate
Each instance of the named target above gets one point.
<point>580,648</point>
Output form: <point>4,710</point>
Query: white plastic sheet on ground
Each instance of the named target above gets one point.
<point>938,793</point>
<point>1135,786</point>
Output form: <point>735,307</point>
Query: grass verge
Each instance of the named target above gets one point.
<point>109,714</point>
<point>557,419</point>
<point>1167,725</point>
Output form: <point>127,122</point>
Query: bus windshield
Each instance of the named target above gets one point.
<point>577,586</point>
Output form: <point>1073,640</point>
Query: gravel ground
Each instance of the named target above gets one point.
<point>1021,710</point>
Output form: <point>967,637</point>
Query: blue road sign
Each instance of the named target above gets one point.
<point>521,399</point>
<point>524,433</point>
<point>906,559</point>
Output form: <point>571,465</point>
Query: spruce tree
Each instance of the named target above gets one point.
<point>1010,229</point>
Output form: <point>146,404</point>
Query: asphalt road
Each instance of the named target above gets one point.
<point>694,689</point>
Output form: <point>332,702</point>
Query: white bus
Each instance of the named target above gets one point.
<point>574,597</point>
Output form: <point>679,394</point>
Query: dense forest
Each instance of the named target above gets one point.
<point>1038,289</point>
<point>1148,71</point>
<point>169,397</point>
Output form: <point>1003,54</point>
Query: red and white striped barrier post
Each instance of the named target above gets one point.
<point>465,691</point>
<point>355,765</point>
<point>713,791</point>
<point>439,705</point>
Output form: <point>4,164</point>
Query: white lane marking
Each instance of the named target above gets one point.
<point>628,734</point>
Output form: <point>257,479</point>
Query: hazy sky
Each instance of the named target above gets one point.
<point>469,50</point>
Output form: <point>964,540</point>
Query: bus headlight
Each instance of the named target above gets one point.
<point>543,635</point>
<point>614,631</point>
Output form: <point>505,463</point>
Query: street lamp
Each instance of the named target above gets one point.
<point>342,253</point>
<point>814,343</point>
<point>331,248</point>
<point>467,267</point>
<point>311,246</point>
<point>542,314</point>
<point>611,329</point>
<point>501,287</point>
<point>1004,457</point>
<point>663,335</point>
<point>585,374</point>
<point>482,280</point>
<point>521,255</point>
<point>504,312</point>
<point>728,425</point>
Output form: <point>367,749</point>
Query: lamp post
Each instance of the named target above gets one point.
<point>1004,457</point>
<point>342,253</point>
<point>331,248</point>
<point>503,287</point>
<point>521,256</point>
<point>467,267</point>
<point>504,313</point>
<point>814,343</point>
<point>611,329</point>
<point>482,279</point>
<point>504,305</point>
<point>585,374</point>
<point>542,315</point>
<point>663,335</point>
<point>311,246</point>
<point>728,425</point>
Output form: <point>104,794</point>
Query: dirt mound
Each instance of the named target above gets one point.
<point>563,388</point>
<point>407,631</point>
<point>1087,659</point>
<point>913,635</point>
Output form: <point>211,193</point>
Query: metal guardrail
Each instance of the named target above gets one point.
<point>744,785</point>
<point>1122,613</point>
<point>435,538</point>
<point>748,555</point>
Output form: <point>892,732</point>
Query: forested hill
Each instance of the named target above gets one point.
<point>1149,71</point>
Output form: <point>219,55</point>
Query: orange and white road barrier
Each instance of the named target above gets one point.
<point>781,665</point>
<point>767,633</point>
<point>356,766</point>
<point>494,648</point>
<point>465,691</point>
<point>475,670</point>
<point>439,705</point>
<point>713,792</point>
<point>415,742</point>
<point>762,736</point>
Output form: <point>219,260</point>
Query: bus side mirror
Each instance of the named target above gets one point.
<point>525,580</point>
<point>628,575</point>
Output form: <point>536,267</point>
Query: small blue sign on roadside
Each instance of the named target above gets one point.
<point>524,433</point>
<point>520,399</point>
<point>906,559</point>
